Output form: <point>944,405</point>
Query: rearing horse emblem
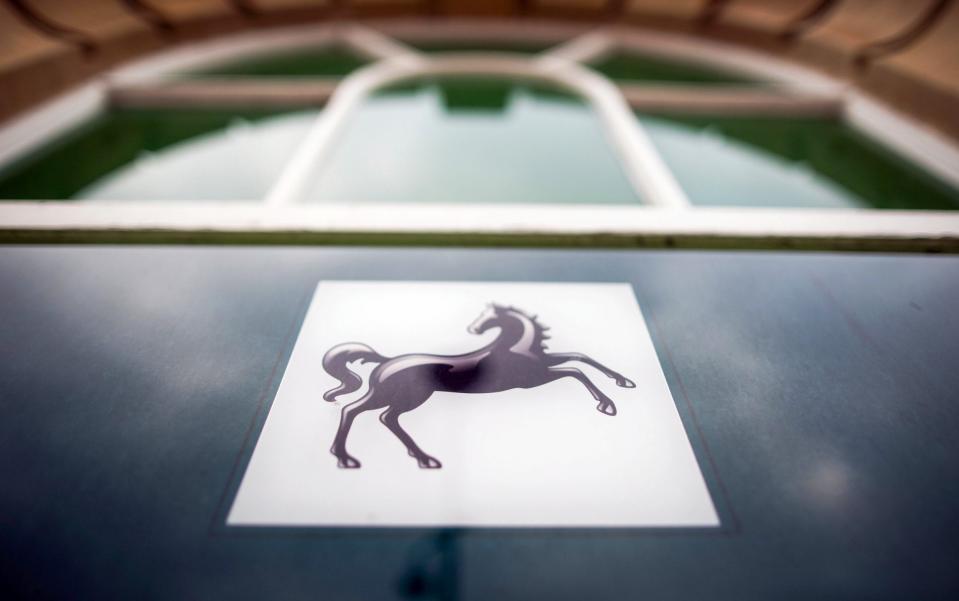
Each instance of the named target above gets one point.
<point>516,358</point>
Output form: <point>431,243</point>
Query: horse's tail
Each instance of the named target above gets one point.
<point>335,363</point>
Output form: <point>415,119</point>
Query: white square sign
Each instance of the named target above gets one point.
<point>473,404</point>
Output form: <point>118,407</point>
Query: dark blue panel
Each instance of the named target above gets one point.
<point>819,392</point>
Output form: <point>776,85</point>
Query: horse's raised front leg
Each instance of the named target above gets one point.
<point>349,413</point>
<point>391,419</point>
<point>621,380</point>
<point>605,403</point>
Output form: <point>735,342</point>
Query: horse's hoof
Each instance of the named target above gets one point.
<point>625,383</point>
<point>429,463</point>
<point>347,462</point>
<point>607,408</point>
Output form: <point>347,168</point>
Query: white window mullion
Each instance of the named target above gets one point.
<point>395,60</point>
<point>642,163</point>
<point>348,95</point>
<point>376,45</point>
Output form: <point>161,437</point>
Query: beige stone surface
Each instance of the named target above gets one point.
<point>923,79</point>
<point>32,66</point>
<point>856,24</point>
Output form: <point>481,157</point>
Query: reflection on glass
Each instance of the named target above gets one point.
<point>631,66</point>
<point>789,162</point>
<point>433,568</point>
<point>326,61</point>
<point>467,139</point>
<point>828,485</point>
<point>162,155</point>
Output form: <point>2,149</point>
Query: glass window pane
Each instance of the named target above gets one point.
<point>143,155</point>
<point>789,162</point>
<point>467,139</point>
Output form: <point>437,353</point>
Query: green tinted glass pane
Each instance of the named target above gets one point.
<point>326,61</point>
<point>517,46</point>
<point>789,162</point>
<point>482,140</point>
<point>630,66</point>
<point>161,155</point>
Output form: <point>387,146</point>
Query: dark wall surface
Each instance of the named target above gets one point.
<point>819,392</point>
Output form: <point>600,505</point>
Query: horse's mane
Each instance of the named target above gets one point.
<point>540,335</point>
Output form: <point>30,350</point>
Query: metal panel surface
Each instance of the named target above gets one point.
<point>818,392</point>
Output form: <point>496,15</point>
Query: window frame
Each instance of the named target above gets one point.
<point>668,219</point>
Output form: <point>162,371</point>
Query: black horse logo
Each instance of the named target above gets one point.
<point>517,358</point>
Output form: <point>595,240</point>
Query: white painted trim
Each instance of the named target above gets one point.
<point>677,46</point>
<point>584,48</point>
<point>897,131</point>
<point>902,134</point>
<point>50,120</point>
<point>375,45</point>
<point>209,219</point>
<point>348,95</point>
<point>395,60</point>
<point>911,139</point>
<point>728,57</point>
<point>204,54</point>
<point>644,168</point>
